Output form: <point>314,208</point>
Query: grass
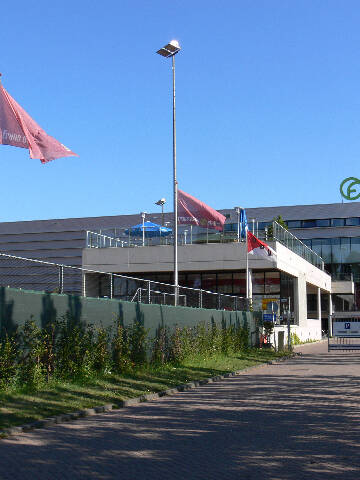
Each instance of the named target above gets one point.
<point>56,397</point>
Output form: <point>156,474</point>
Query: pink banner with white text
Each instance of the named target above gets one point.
<point>192,211</point>
<point>18,129</point>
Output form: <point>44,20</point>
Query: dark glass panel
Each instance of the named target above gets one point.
<point>352,221</point>
<point>193,280</point>
<point>323,222</point>
<point>345,250</point>
<point>316,245</point>
<point>294,223</point>
<point>208,282</point>
<point>308,223</point>
<point>262,225</point>
<point>239,283</point>
<point>224,283</point>
<point>258,282</point>
<point>326,250</point>
<point>335,250</point>
<point>355,250</point>
<point>337,222</point>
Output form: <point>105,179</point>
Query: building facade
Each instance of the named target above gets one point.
<point>331,230</point>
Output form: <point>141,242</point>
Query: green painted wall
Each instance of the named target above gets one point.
<point>17,306</point>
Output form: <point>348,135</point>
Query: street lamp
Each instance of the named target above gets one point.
<point>143,227</point>
<point>238,211</point>
<point>170,50</point>
<point>161,203</point>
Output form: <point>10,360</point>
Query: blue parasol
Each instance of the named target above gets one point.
<point>151,230</point>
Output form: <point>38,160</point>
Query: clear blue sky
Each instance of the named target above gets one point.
<point>268,103</point>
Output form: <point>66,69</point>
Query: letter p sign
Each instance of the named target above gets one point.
<point>347,326</point>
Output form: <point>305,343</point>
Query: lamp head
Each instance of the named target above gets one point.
<point>171,49</point>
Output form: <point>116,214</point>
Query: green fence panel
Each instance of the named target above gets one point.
<point>17,306</point>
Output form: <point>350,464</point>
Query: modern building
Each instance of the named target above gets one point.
<point>332,231</point>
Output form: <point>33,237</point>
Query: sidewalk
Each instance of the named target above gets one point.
<point>293,420</point>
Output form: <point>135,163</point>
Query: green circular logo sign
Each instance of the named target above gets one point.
<point>347,189</point>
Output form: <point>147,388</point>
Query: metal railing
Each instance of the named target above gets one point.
<point>291,242</point>
<point>38,275</point>
<point>342,277</point>
<point>187,236</point>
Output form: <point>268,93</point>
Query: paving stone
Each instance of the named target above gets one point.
<point>293,420</point>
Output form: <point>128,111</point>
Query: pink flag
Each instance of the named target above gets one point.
<point>192,211</point>
<point>18,129</point>
<point>259,248</point>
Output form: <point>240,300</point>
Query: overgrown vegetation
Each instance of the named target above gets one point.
<point>295,340</point>
<point>67,366</point>
<point>68,350</point>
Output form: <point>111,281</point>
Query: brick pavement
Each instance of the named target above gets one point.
<point>294,420</point>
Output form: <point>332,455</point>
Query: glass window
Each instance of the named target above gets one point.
<point>337,222</point>
<point>258,282</point>
<point>239,283</point>
<point>230,227</point>
<point>262,225</point>
<point>272,282</point>
<point>316,245</point>
<point>193,280</point>
<point>345,250</point>
<point>294,223</point>
<point>120,287</point>
<point>311,302</point>
<point>355,250</point>
<point>308,223</point>
<point>323,222</point>
<point>352,221</point>
<point>335,250</point>
<point>208,282</point>
<point>224,283</point>
<point>326,250</point>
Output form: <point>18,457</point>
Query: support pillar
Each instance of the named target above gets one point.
<point>330,315</point>
<point>300,300</point>
<point>319,303</point>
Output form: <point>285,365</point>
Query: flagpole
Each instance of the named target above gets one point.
<point>247,269</point>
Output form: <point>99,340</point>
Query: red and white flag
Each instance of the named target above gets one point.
<point>259,248</point>
<point>192,211</point>
<point>18,129</point>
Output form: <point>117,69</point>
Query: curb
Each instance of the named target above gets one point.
<point>87,412</point>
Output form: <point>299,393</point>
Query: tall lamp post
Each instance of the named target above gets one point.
<point>161,203</point>
<point>238,210</point>
<point>170,50</point>
<point>143,227</point>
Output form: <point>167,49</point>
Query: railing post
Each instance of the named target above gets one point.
<point>61,279</point>
<point>111,285</point>
<point>149,291</point>
<point>200,298</point>
<point>84,284</point>
<point>219,301</point>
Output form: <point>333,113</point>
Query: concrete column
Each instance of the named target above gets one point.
<point>319,303</point>
<point>300,300</point>
<point>330,315</point>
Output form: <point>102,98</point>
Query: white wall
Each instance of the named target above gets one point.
<point>308,330</point>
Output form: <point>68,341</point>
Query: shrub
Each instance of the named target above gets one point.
<point>8,367</point>
<point>121,348</point>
